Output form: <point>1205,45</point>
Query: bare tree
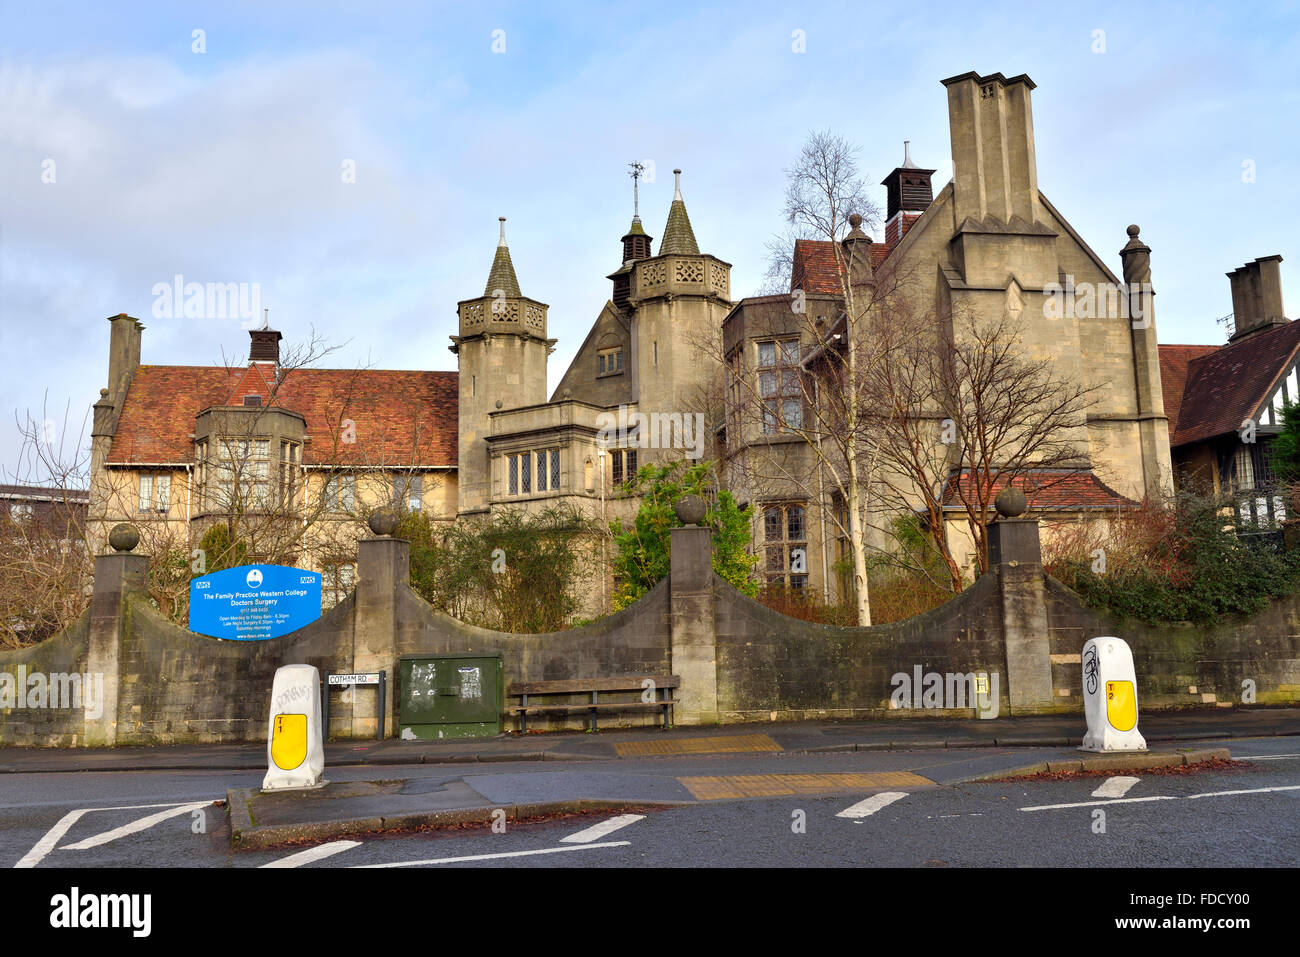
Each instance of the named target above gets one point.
<point>1012,415</point>
<point>961,412</point>
<point>813,390</point>
<point>45,567</point>
<point>270,505</point>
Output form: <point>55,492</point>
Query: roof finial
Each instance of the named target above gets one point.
<point>503,231</point>
<point>907,156</point>
<point>637,169</point>
<point>677,185</point>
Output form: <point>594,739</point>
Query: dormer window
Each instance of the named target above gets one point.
<point>609,362</point>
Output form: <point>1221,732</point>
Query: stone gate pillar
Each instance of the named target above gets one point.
<point>117,575</point>
<point>1015,556</point>
<point>691,612</point>
<point>383,567</point>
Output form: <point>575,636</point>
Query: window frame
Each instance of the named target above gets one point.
<point>783,545</point>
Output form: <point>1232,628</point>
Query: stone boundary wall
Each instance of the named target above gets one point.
<point>774,668</point>
<point>738,660</point>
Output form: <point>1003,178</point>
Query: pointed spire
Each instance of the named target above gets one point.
<point>679,238</point>
<point>907,156</point>
<point>502,275</point>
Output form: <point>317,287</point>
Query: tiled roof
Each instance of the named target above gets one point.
<point>502,275</point>
<point>1173,376</point>
<point>1224,387</point>
<point>1050,491</point>
<point>679,238</point>
<point>401,418</point>
<point>814,269</point>
<point>44,493</point>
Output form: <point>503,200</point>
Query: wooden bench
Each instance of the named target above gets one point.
<point>662,688</point>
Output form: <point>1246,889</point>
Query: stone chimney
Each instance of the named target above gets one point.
<point>995,175</point>
<point>1256,297</point>
<point>123,357</point>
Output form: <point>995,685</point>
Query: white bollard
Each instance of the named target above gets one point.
<point>295,750</point>
<point>1110,697</point>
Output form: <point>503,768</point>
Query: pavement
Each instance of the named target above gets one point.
<point>896,734</point>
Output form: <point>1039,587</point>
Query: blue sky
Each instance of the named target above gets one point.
<point>224,166</point>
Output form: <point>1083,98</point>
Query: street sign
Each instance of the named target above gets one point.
<point>371,678</point>
<point>254,602</point>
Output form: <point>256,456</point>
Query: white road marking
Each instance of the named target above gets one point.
<point>871,805</point>
<point>597,831</point>
<point>1215,794</point>
<point>1267,757</point>
<point>489,857</point>
<point>1055,807</point>
<point>313,854</point>
<point>140,824</point>
<point>1187,797</point>
<point>1115,787</point>
<point>53,836</point>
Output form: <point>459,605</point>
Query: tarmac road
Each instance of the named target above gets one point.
<point>1235,818</point>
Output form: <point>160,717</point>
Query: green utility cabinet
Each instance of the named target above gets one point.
<point>449,696</point>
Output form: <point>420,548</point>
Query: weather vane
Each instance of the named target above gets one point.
<point>637,170</point>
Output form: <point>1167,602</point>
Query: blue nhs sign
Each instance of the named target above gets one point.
<point>254,602</point>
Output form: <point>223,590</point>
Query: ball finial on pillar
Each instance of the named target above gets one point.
<point>123,537</point>
<point>691,509</point>
<point>1011,503</point>
<point>383,521</point>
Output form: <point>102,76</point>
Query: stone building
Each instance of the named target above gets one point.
<point>989,244</point>
<point>1225,401</point>
<point>289,458</point>
<point>298,455</point>
<point>653,380</point>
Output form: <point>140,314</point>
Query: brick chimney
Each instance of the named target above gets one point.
<point>908,194</point>
<point>1256,297</point>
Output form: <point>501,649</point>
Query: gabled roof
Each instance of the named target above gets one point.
<point>1174,360</point>
<point>814,269</point>
<point>402,418</point>
<point>1049,491</point>
<point>1227,385</point>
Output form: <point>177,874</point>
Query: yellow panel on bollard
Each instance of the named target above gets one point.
<point>288,741</point>
<point>295,750</point>
<point>1110,697</point>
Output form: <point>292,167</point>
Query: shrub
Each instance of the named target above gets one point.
<point>515,571</point>
<point>1180,561</point>
<point>641,558</point>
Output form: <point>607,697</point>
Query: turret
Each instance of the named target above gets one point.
<point>678,299</point>
<point>501,352</point>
